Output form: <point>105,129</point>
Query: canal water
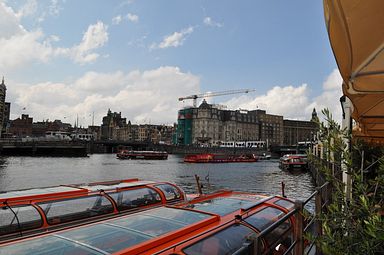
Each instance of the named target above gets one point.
<point>261,177</point>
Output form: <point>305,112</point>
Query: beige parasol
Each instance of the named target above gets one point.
<point>356,33</point>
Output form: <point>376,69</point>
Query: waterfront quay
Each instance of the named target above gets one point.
<point>43,148</point>
<point>79,148</point>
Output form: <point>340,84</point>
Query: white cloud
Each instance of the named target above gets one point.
<point>9,23</point>
<point>141,96</point>
<point>152,96</point>
<point>28,9</point>
<point>294,102</point>
<point>19,47</point>
<point>117,20</point>
<point>174,40</point>
<point>54,7</point>
<point>132,17</point>
<point>209,22</point>
<point>333,81</point>
<point>95,37</point>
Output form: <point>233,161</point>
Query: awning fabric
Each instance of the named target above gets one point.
<point>356,34</point>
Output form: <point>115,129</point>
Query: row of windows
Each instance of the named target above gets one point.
<point>25,217</point>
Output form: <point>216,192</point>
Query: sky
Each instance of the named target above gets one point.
<point>73,60</point>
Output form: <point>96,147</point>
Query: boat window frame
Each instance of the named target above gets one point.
<point>181,194</point>
<point>22,229</point>
<point>278,203</point>
<point>58,220</point>
<point>248,242</point>
<point>267,238</point>
<point>119,192</point>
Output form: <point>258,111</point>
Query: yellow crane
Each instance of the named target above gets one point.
<point>213,94</point>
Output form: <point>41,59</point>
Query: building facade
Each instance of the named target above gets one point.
<point>296,131</point>
<point>212,126</point>
<point>21,127</point>
<point>111,122</point>
<point>208,125</point>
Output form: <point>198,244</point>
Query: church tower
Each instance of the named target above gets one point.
<point>314,116</point>
<point>3,89</point>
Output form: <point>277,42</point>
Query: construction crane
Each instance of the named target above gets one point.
<point>213,94</point>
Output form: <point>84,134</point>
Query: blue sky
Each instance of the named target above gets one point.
<point>66,58</point>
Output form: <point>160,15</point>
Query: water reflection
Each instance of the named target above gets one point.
<point>261,177</point>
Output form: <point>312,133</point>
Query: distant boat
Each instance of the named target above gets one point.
<point>129,154</point>
<point>220,158</point>
<point>265,156</point>
<point>294,162</point>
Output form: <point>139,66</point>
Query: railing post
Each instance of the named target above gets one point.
<point>318,212</point>
<point>257,247</point>
<point>299,228</point>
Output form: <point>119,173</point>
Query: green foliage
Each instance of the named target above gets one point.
<point>356,225</point>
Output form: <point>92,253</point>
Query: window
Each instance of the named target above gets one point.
<point>134,198</point>
<point>221,206</point>
<point>266,217</point>
<point>76,209</point>
<point>45,245</point>
<point>27,215</point>
<point>170,192</point>
<point>227,241</point>
<point>285,203</point>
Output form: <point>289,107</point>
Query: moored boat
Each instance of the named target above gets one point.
<point>220,158</point>
<point>221,223</point>
<point>129,154</point>
<point>293,162</point>
<point>33,211</point>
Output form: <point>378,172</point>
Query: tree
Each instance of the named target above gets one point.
<point>353,225</point>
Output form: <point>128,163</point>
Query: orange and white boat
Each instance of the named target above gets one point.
<point>293,162</point>
<point>220,158</point>
<point>225,222</point>
<point>128,154</point>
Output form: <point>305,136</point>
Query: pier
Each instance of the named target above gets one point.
<point>43,148</point>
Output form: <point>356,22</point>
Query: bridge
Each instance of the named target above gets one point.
<point>43,148</point>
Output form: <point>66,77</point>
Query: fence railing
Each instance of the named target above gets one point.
<point>301,226</point>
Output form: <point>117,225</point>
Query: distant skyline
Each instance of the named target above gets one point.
<point>66,58</point>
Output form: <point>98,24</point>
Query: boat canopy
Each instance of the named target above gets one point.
<point>223,223</point>
<point>355,30</point>
<point>30,211</point>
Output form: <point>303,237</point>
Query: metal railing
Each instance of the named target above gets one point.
<point>301,226</point>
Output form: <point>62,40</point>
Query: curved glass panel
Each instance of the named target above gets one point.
<point>170,192</point>
<point>134,198</point>
<point>47,245</point>
<point>75,209</point>
<point>236,238</point>
<point>285,203</point>
<point>221,206</point>
<point>105,237</point>
<point>27,215</point>
<point>116,234</point>
<point>266,217</point>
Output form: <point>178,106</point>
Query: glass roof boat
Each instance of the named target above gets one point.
<point>224,222</point>
<point>32,211</point>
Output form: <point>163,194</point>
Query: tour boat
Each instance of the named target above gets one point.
<point>219,158</point>
<point>293,162</point>
<point>224,222</point>
<point>129,154</point>
<point>32,211</point>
